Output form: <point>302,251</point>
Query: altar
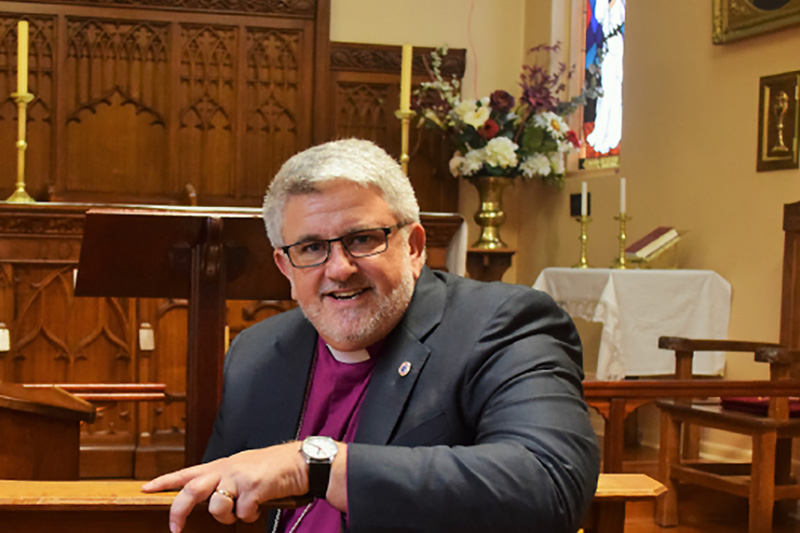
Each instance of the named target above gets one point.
<point>636,307</point>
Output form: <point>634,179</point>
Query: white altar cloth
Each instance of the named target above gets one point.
<point>636,307</point>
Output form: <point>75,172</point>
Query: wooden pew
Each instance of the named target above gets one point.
<point>607,512</point>
<point>120,506</point>
<point>615,400</point>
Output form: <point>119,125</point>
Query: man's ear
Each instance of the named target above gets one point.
<point>416,244</point>
<point>285,266</point>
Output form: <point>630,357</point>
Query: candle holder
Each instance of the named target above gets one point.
<point>582,262</point>
<point>405,120</point>
<point>620,262</point>
<point>19,195</point>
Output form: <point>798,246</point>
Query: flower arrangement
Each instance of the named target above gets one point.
<point>499,135</point>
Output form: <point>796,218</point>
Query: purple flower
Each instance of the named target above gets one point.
<point>501,101</point>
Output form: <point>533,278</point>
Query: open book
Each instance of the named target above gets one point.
<point>656,240</point>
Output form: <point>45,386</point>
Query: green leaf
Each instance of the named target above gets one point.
<point>532,139</point>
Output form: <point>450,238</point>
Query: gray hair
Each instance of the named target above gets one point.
<point>354,160</point>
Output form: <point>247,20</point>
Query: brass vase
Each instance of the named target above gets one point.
<point>490,216</point>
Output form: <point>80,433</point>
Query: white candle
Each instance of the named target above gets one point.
<point>584,199</point>
<point>405,78</point>
<point>622,196</point>
<point>22,57</point>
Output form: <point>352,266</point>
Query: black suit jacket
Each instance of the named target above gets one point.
<point>487,432</point>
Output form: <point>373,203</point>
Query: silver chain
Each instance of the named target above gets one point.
<point>297,436</point>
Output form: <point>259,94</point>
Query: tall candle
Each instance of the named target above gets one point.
<point>584,199</point>
<point>622,205</point>
<point>405,78</point>
<point>22,57</point>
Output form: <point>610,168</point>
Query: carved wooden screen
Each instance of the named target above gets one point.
<point>141,104</point>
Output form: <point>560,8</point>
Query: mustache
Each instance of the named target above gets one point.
<point>354,282</point>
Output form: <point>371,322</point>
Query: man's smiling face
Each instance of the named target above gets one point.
<point>352,302</point>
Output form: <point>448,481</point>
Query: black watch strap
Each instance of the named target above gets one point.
<point>318,476</point>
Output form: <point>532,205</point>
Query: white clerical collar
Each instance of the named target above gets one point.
<point>350,358</point>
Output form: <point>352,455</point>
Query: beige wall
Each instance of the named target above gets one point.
<point>689,131</point>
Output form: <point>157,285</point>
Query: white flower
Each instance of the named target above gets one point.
<point>455,164</point>
<point>470,113</point>
<point>501,152</point>
<point>535,165</point>
<point>464,107</point>
<point>565,147</point>
<point>477,117</point>
<point>557,163</point>
<point>553,123</point>
<point>472,163</point>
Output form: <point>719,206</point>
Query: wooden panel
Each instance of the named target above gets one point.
<point>138,105</point>
<point>116,105</point>
<point>790,288</point>
<point>275,117</point>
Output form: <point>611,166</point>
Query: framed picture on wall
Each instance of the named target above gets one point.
<point>737,19</point>
<point>778,121</point>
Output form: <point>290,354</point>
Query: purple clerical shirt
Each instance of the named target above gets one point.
<point>334,401</point>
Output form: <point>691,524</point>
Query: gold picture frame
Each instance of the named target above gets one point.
<point>738,19</point>
<point>778,114</point>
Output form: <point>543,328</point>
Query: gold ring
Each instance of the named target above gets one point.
<point>223,492</point>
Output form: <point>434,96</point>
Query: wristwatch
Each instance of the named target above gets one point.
<point>318,453</point>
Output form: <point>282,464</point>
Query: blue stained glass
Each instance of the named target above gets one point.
<point>605,37</point>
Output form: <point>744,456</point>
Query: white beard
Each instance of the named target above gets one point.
<point>359,328</point>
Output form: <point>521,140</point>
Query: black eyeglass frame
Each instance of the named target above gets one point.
<point>387,230</point>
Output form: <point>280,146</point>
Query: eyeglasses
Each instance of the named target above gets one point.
<point>364,243</point>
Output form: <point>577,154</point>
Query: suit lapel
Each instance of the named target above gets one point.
<point>287,377</point>
<point>401,362</point>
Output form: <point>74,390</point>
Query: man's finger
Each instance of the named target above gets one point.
<point>197,490</point>
<point>247,508</point>
<point>221,506</point>
<point>173,480</point>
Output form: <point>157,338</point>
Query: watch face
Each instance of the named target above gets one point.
<point>319,448</point>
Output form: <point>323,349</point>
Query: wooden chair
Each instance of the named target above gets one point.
<point>768,477</point>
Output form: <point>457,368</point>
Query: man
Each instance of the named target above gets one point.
<point>455,405</point>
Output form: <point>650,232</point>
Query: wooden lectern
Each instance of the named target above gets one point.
<point>40,431</point>
<point>207,255</point>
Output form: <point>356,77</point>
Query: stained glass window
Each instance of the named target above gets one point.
<point>602,116</point>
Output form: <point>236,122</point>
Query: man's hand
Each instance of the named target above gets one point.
<point>235,485</point>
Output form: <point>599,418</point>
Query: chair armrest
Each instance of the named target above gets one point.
<point>777,354</point>
<point>713,345</point>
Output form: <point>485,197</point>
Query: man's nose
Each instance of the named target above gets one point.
<point>341,264</point>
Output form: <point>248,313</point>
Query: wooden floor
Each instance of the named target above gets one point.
<point>700,510</point>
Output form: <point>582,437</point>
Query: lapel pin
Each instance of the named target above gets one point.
<point>404,369</point>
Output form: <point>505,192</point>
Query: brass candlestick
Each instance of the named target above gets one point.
<point>619,262</point>
<point>584,221</point>
<point>19,195</point>
<point>405,120</point>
